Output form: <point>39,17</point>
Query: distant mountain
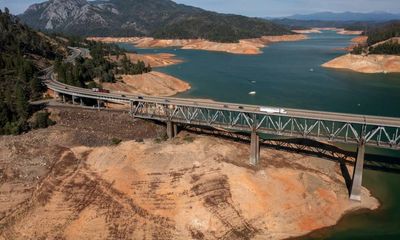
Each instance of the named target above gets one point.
<point>156,18</point>
<point>347,16</point>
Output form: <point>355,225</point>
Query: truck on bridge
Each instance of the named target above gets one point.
<point>273,110</point>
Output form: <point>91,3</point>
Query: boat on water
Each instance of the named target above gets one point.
<point>252,93</point>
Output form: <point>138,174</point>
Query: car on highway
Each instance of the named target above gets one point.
<point>100,90</point>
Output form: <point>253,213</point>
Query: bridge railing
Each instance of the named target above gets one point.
<point>274,124</point>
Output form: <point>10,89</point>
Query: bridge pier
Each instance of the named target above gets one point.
<point>254,148</point>
<point>176,129</point>
<point>81,100</point>
<point>63,98</point>
<point>73,100</point>
<point>98,104</point>
<point>171,129</point>
<point>356,185</point>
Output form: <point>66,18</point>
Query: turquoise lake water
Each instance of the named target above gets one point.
<point>282,76</point>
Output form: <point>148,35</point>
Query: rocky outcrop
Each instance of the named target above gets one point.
<point>64,14</point>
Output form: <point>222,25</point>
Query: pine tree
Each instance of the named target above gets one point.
<point>21,102</point>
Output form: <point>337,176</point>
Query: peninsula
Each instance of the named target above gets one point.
<point>378,51</point>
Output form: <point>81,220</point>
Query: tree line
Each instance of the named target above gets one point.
<point>19,82</point>
<point>84,71</point>
<point>380,34</point>
<point>23,50</point>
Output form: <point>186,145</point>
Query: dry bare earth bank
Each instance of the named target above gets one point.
<point>366,64</point>
<point>68,182</point>
<point>341,31</point>
<point>245,46</point>
<point>155,60</point>
<point>153,83</point>
<point>371,63</point>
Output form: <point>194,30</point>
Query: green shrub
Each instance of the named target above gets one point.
<point>116,141</point>
<point>42,120</point>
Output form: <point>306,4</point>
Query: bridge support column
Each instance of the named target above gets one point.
<point>254,148</point>
<point>356,185</point>
<point>98,104</point>
<point>73,100</point>
<point>171,129</point>
<point>176,130</point>
<point>131,107</point>
<point>63,98</point>
<point>57,95</point>
<point>81,100</point>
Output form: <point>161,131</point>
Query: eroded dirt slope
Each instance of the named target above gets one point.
<point>54,186</point>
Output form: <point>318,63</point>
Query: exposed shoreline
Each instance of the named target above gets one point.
<point>155,60</point>
<point>244,47</point>
<point>340,31</point>
<point>150,84</point>
<point>366,64</point>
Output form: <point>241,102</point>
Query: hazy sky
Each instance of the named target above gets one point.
<point>262,8</point>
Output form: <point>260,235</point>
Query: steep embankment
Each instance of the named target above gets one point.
<point>245,46</point>
<point>69,182</point>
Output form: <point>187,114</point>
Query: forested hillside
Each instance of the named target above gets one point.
<point>25,52</point>
<point>22,50</point>
<point>384,39</point>
<point>153,18</point>
<point>385,32</point>
<point>91,72</point>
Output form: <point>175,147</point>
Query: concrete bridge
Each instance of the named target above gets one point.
<point>359,130</point>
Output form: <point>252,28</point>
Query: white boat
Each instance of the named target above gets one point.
<point>311,69</point>
<point>252,93</point>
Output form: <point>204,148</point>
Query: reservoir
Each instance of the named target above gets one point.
<point>290,75</point>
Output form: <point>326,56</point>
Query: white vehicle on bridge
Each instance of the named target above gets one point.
<point>273,110</point>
